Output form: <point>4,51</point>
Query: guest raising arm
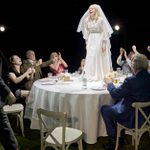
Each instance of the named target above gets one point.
<point>57,63</point>
<point>119,59</point>
<point>17,79</point>
<point>126,63</point>
<point>32,62</point>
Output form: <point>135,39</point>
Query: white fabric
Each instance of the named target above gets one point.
<point>71,134</point>
<point>13,108</point>
<point>107,25</point>
<point>95,32</point>
<point>82,105</point>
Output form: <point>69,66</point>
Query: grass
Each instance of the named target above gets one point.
<point>31,141</point>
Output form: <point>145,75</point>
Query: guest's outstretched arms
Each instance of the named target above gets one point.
<point>119,59</point>
<point>20,78</point>
<point>134,49</point>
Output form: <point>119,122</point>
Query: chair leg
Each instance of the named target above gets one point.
<point>132,140</point>
<point>137,140</point>
<point>117,138</point>
<point>136,144</point>
<point>80,145</point>
<point>20,116</point>
<point>42,146</point>
<point>67,147</point>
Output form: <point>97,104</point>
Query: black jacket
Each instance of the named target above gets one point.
<point>4,89</point>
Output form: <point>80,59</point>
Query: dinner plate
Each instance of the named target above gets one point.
<point>45,80</point>
<point>98,88</point>
<point>48,83</point>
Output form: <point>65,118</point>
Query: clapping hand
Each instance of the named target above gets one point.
<point>39,62</point>
<point>29,70</point>
<point>103,46</point>
<point>134,49</point>
<point>121,51</point>
<point>125,54</point>
<point>59,55</point>
<point>148,48</point>
<point>108,80</point>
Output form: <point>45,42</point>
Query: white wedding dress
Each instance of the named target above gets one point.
<point>97,62</point>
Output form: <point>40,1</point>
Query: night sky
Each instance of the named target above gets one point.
<point>47,26</point>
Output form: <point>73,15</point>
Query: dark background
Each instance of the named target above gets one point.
<point>47,26</point>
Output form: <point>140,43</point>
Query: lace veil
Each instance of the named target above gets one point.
<point>108,28</point>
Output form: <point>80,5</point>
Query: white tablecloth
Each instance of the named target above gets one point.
<point>82,105</point>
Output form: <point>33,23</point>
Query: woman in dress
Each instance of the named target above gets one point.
<point>17,79</point>
<point>96,31</point>
<point>57,64</point>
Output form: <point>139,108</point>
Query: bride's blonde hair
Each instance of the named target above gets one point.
<point>97,13</point>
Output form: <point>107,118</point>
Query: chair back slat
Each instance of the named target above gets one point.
<point>142,123</point>
<point>54,117</point>
<point>139,110</point>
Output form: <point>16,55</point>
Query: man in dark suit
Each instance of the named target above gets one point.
<point>7,136</point>
<point>134,89</point>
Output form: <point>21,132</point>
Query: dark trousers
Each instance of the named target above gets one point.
<point>116,113</point>
<point>109,114</point>
<point>7,136</point>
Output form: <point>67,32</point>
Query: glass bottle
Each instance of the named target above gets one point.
<point>84,80</point>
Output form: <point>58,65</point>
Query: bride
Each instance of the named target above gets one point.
<point>96,31</point>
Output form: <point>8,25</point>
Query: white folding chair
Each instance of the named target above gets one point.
<point>57,135</point>
<point>137,131</point>
<point>16,109</point>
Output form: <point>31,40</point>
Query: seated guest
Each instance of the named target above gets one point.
<point>133,89</point>
<point>32,62</point>
<point>81,68</point>
<point>17,79</point>
<point>126,64</point>
<point>57,64</point>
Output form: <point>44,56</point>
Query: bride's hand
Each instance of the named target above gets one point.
<point>103,46</point>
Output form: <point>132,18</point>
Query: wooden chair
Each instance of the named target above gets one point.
<point>137,131</point>
<point>18,110</point>
<point>57,135</point>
